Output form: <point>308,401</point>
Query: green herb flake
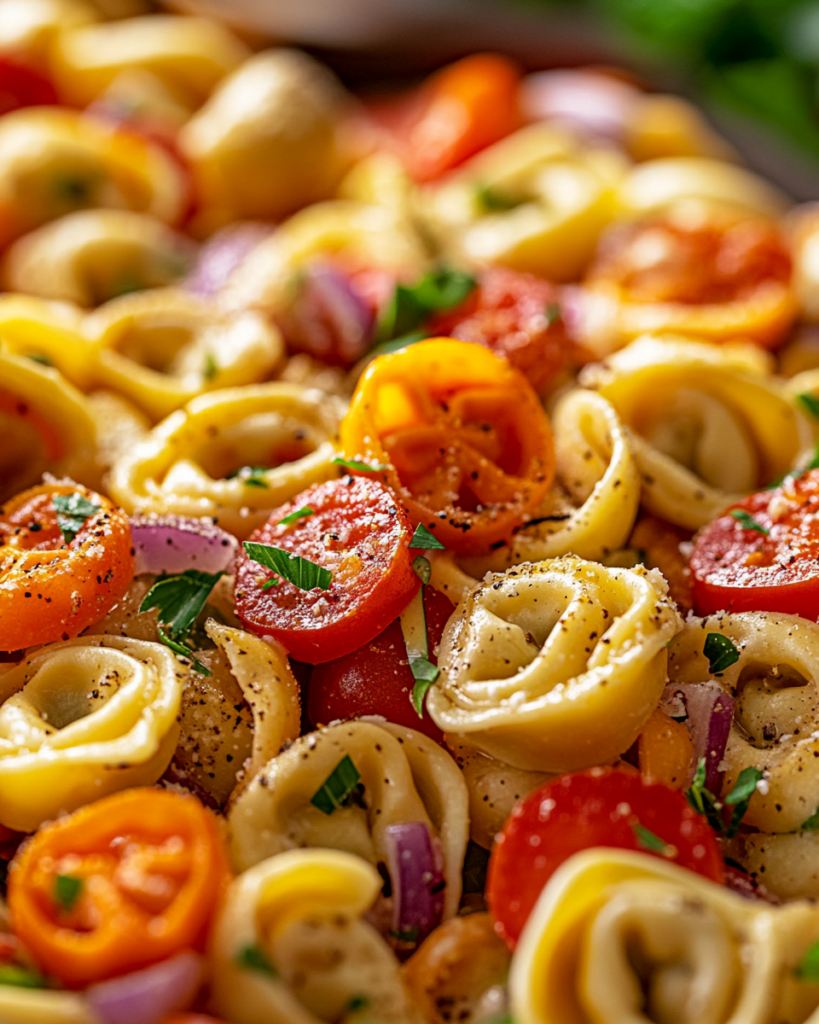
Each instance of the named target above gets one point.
<point>810,403</point>
<point>252,958</point>
<point>495,200</point>
<point>20,977</point>
<point>808,968</point>
<point>410,306</point>
<point>210,367</point>
<point>740,797</point>
<point>337,787</point>
<point>356,1003</point>
<point>300,513</point>
<point>747,521</point>
<point>720,652</point>
<point>703,800</point>
<point>425,540</point>
<point>301,572</point>
<point>182,650</point>
<point>67,890</point>
<point>251,476</point>
<point>422,568</point>
<point>811,824</point>
<point>362,467</point>
<point>424,673</point>
<point>179,600</point>
<point>647,840</point>
<point>553,313</point>
<point>72,512</point>
<point>406,934</point>
<point>39,357</point>
<point>394,344</point>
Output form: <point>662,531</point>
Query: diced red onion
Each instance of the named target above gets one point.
<point>416,870</point>
<point>149,995</point>
<point>221,255</point>
<point>173,544</point>
<point>595,105</point>
<point>710,711</point>
<point>329,319</point>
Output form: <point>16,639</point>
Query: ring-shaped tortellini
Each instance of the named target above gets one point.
<point>46,426</point>
<point>189,55</point>
<point>54,161</point>
<point>163,347</point>
<point>49,333</point>
<point>190,464</point>
<point>358,234</point>
<point>591,509</point>
<point>557,665</point>
<point>786,864</point>
<point>625,938</point>
<point>776,716</point>
<point>406,777</point>
<point>302,913</point>
<point>706,424</point>
<point>536,201</point>
<point>83,719</point>
<point>92,256</point>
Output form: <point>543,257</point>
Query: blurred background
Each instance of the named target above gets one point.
<point>752,64</point>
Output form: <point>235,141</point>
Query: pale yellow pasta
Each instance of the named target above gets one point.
<point>46,426</point>
<point>786,864</point>
<point>555,666</point>
<point>406,778</point>
<point>163,347</point>
<point>448,577</point>
<point>40,1006</point>
<point>706,424</point>
<point>591,509</point>
<point>624,938</point>
<point>29,28</point>
<point>184,465</point>
<point>304,912</point>
<point>776,718</point>
<point>92,256</point>
<point>560,196</point>
<point>380,179</point>
<point>83,719</point>
<point>120,425</point>
<point>267,142</point>
<point>189,55</point>
<point>49,333</point>
<point>372,236</point>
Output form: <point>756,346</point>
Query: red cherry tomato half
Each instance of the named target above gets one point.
<point>764,559</point>
<point>22,86</point>
<point>360,533</point>
<point>599,807</point>
<point>376,679</point>
<point>518,316</point>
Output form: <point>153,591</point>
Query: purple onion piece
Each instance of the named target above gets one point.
<point>221,255</point>
<point>173,544</point>
<point>149,995</point>
<point>710,711</point>
<point>416,869</point>
<point>594,105</point>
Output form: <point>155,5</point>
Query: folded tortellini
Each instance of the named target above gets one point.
<point>82,719</point>
<point>621,937</point>
<point>190,464</point>
<point>406,778</point>
<point>536,201</point>
<point>163,347</point>
<point>557,665</point>
<point>707,424</point>
<point>92,256</point>
<point>46,426</point>
<point>29,28</point>
<point>291,946</point>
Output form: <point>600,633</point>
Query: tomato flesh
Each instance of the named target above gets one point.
<point>600,807</point>
<point>737,568</point>
<point>361,534</point>
<point>22,86</point>
<point>376,679</point>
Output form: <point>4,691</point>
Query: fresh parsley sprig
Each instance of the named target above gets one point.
<point>422,538</point>
<point>179,601</point>
<point>747,521</point>
<point>72,512</point>
<point>411,305</point>
<point>301,572</point>
<point>300,513</point>
<point>417,644</point>
<point>337,787</point>
<point>706,803</point>
<point>720,652</point>
<point>362,467</point>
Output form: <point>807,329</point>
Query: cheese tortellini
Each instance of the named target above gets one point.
<point>315,957</point>
<point>622,938</point>
<point>557,665</point>
<point>83,719</point>
<point>190,464</point>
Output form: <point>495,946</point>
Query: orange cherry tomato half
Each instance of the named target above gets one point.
<point>376,679</point>
<point>600,807</point>
<point>767,559</point>
<point>462,434</point>
<point>145,870</point>
<point>52,588</point>
<point>359,532</point>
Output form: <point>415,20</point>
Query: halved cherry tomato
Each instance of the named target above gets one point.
<point>22,86</point>
<point>465,440</point>
<point>145,871</point>
<point>600,807</point>
<point>360,532</point>
<point>665,751</point>
<point>455,113</point>
<point>518,316</point>
<point>774,568</point>
<point>376,679</point>
<point>51,589</point>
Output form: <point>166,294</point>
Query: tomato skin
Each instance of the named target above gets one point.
<point>361,534</point>
<point>737,569</point>
<point>598,807</point>
<point>22,86</point>
<point>376,679</point>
